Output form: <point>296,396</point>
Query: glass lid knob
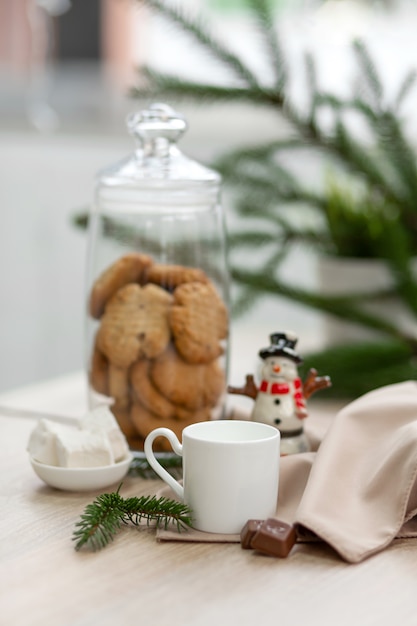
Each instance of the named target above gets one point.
<point>158,121</point>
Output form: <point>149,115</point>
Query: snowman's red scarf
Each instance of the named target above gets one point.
<point>296,388</point>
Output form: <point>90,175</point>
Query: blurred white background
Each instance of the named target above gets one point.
<point>65,68</point>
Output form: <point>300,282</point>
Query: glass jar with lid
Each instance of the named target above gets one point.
<point>158,285</point>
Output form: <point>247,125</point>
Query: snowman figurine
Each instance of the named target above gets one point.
<point>280,399</point>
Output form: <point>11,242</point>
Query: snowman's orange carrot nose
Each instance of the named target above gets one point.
<point>277,368</point>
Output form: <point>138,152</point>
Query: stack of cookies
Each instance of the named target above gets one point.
<point>158,348</point>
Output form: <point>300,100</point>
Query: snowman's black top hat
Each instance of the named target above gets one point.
<point>282,344</point>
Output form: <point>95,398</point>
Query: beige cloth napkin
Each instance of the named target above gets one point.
<point>359,490</point>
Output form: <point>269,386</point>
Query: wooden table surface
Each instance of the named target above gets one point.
<point>138,580</point>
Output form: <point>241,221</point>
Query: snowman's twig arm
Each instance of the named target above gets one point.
<point>249,389</point>
<point>314,383</point>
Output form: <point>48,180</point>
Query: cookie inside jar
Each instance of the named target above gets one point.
<point>159,346</point>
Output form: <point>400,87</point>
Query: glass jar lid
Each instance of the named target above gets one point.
<point>157,162</point>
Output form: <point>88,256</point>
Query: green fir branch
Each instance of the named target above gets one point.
<point>271,183</point>
<point>100,522</point>
<point>103,518</point>
<point>357,368</point>
<point>250,239</point>
<point>259,152</point>
<point>154,83</point>
<point>405,88</point>
<point>337,104</point>
<point>400,156</point>
<point>197,29</point>
<point>364,163</point>
<point>371,82</point>
<point>340,306</point>
<point>170,86</point>
<point>162,511</point>
<point>264,16</point>
<point>140,467</point>
<point>374,211</point>
<point>311,76</point>
<point>396,248</point>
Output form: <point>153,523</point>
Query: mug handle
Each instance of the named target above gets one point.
<point>157,467</point>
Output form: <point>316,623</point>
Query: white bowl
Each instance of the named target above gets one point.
<point>82,478</point>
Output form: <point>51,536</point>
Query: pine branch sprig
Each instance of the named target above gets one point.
<point>197,29</point>
<point>405,87</point>
<point>264,16</point>
<point>167,85</point>
<point>103,518</point>
<point>162,511</point>
<point>371,82</point>
<point>372,214</point>
<point>342,307</point>
<point>100,522</point>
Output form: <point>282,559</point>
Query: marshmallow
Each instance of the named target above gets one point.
<point>95,440</point>
<point>42,441</point>
<point>102,419</point>
<point>80,448</point>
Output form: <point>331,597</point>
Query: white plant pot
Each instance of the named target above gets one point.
<point>338,276</point>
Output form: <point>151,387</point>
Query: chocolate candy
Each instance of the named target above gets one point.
<point>272,537</point>
<point>248,532</point>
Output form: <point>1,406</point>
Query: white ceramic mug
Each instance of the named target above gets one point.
<point>230,472</point>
